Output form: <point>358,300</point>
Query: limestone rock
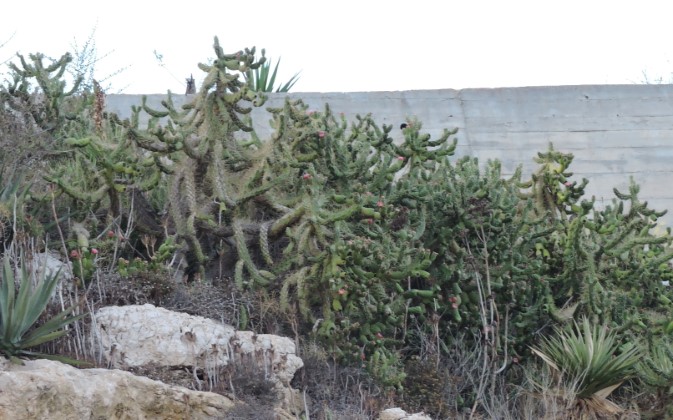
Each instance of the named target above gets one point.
<point>399,414</point>
<point>138,335</point>
<point>49,264</point>
<point>45,389</point>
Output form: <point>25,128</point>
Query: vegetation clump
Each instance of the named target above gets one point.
<point>436,277</point>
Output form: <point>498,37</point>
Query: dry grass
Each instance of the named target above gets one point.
<point>337,392</point>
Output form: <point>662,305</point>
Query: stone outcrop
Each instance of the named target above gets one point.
<point>163,345</point>
<point>45,389</point>
<point>138,335</point>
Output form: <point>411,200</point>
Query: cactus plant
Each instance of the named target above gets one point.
<point>49,110</point>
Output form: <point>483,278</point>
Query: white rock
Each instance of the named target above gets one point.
<point>418,416</point>
<point>49,264</point>
<point>45,389</point>
<point>399,414</point>
<point>138,335</point>
<point>392,414</point>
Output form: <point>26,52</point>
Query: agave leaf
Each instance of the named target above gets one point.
<point>6,300</point>
<point>40,298</point>
<point>546,359</point>
<point>263,81</point>
<point>59,358</point>
<point>41,338</point>
<point>23,307</point>
<point>605,392</point>
<point>289,84</point>
<point>272,80</point>
<point>55,324</point>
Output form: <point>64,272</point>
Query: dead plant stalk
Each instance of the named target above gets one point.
<point>490,319</point>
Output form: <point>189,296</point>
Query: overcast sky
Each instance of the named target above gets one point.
<point>365,45</point>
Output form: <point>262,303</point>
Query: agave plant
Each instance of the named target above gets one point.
<point>589,358</point>
<point>262,79</point>
<point>19,313</point>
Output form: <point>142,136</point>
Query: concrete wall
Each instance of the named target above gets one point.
<point>615,132</point>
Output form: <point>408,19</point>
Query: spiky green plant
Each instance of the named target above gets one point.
<point>656,369</point>
<point>589,357</point>
<point>19,313</point>
<point>263,79</point>
<point>656,372</point>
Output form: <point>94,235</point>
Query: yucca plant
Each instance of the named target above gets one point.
<point>19,313</point>
<point>589,358</point>
<point>262,79</point>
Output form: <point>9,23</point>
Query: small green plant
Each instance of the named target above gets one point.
<point>588,357</point>
<point>20,312</point>
<point>657,369</point>
<point>83,263</point>
<point>656,372</point>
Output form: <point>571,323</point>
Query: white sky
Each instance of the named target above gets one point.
<point>365,45</point>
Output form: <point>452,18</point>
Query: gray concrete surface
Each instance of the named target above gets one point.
<point>614,131</point>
